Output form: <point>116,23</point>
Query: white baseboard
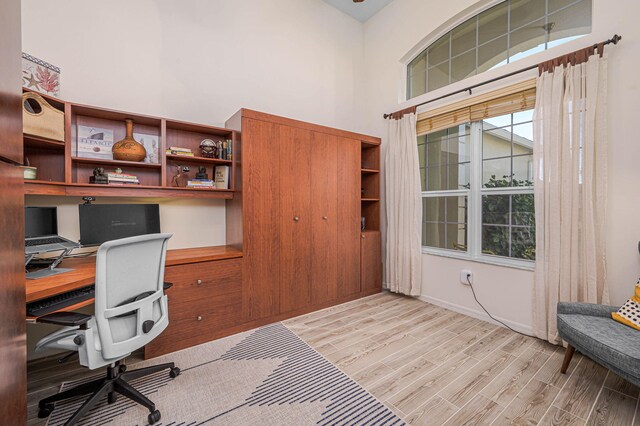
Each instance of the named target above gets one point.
<point>479,314</point>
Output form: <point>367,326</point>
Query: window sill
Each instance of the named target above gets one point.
<point>525,265</point>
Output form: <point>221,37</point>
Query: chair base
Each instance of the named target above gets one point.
<point>115,383</point>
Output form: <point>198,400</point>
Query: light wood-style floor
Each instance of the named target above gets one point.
<point>437,367</point>
<point>433,367</point>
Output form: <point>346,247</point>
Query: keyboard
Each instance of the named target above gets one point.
<point>60,301</point>
<point>43,241</point>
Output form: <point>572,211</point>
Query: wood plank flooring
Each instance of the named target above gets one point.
<point>437,367</point>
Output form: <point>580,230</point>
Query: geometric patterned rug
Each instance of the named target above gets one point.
<point>267,376</point>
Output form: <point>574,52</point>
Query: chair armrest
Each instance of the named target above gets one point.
<point>590,309</point>
<point>71,319</point>
<point>166,285</point>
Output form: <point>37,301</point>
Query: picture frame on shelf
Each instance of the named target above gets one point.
<point>151,144</point>
<point>94,142</point>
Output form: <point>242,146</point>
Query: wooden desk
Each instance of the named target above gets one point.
<point>84,270</point>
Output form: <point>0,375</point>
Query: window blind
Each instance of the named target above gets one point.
<point>517,97</point>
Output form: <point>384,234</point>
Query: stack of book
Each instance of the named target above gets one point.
<point>176,150</point>
<point>122,179</point>
<point>201,183</point>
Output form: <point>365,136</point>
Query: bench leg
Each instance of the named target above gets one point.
<point>567,358</point>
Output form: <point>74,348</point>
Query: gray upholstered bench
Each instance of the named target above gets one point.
<point>590,329</point>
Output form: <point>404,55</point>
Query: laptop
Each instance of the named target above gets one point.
<point>41,231</point>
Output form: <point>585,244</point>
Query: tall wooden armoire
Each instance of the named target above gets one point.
<point>301,193</point>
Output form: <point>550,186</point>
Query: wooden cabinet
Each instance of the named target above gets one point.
<point>370,260</point>
<point>299,194</point>
<point>205,301</point>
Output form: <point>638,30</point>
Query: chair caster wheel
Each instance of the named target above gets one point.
<point>112,398</point>
<point>45,411</point>
<point>122,368</point>
<point>175,372</point>
<point>154,417</point>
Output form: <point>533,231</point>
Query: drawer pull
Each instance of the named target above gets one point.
<point>199,282</point>
<point>362,235</point>
<point>296,218</point>
<point>325,218</point>
<point>199,318</point>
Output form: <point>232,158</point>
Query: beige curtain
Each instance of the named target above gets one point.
<point>570,171</point>
<point>403,259</point>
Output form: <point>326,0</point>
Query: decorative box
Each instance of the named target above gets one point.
<point>40,76</point>
<point>41,119</point>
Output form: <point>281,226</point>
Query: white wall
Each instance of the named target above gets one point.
<point>401,26</point>
<point>200,61</point>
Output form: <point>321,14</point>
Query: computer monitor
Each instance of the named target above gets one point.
<point>105,222</point>
<point>40,221</point>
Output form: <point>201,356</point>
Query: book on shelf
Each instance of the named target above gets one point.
<point>229,150</point>
<point>180,153</point>
<point>122,178</point>
<point>200,183</point>
<point>222,177</point>
<point>178,149</point>
<point>123,183</point>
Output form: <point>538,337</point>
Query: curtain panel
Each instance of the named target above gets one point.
<point>570,160</point>
<point>403,255</point>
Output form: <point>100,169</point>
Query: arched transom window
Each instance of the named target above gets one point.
<point>501,34</point>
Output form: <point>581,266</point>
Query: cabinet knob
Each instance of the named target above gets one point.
<point>199,318</point>
<point>362,236</point>
<point>296,218</point>
<point>198,282</point>
<point>325,218</point>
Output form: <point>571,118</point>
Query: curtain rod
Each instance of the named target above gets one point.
<point>615,39</point>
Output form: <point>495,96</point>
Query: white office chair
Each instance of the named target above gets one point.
<point>130,311</point>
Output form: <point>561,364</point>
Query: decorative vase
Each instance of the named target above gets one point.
<point>128,149</point>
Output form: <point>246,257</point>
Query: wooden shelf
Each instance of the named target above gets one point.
<point>36,187</point>
<point>115,163</point>
<point>194,159</point>
<point>38,142</point>
<point>367,171</point>
<point>370,200</point>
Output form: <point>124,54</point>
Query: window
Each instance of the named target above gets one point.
<point>477,182</point>
<point>504,33</point>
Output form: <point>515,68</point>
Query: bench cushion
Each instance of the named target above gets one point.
<point>608,342</point>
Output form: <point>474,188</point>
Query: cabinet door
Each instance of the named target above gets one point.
<point>371,260</point>
<point>261,224</point>
<point>348,217</point>
<point>295,217</point>
<point>324,218</point>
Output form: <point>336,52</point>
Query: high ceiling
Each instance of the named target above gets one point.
<point>360,11</point>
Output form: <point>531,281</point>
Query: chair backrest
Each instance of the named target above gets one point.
<point>130,305</point>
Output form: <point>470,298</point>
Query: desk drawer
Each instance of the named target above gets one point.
<point>206,280</point>
<point>206,299</point>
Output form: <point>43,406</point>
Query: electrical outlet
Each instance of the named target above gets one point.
<point>463,277</point>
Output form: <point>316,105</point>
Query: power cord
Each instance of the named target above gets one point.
<point>484,309</point>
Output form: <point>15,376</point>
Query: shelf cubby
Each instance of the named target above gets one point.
<point>370,185</point>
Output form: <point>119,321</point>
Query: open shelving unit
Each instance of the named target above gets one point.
<point>61,171</point>
<point>370,185</point>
